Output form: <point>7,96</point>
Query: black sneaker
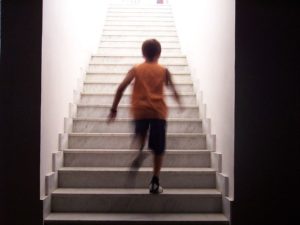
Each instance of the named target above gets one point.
<point>154,187</point>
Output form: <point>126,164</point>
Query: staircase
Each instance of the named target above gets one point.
<point>95,184</point>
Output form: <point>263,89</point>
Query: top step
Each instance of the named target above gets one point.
<point>146,11</point>
<point>140,14</point>
<point>140,7</point>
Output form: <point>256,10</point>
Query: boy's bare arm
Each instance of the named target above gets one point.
<point>119,93</point>
<point>172,86</point>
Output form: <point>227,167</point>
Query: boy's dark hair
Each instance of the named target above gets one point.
<point>151,48</point>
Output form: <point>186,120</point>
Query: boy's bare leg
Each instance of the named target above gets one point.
<point>138,143</point>
<point>154,187</point>
<point>158,159</point>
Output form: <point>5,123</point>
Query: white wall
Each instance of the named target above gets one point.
<point>71,32</point>
<point>206,29</point>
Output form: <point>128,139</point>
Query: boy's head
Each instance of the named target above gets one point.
<point>151,49</point>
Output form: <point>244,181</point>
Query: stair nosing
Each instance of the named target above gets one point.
<point>113,93</point>
<point>155,217</point>
<point>118,73</point>
<point>130,64</point>
<point>145,36</point>
<point>128,105</point>
<point>117,82</point>
<point>130,134</point>
<point>136,48</point>
<point>140,57</point>
<point>129,119</point>
<point>108,151</point>
<point>212,192</point>
<point>205,170</point>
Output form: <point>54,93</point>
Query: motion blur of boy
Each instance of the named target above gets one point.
<point>148,106</point>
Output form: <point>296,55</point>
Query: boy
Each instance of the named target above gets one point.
<point>148,106</point>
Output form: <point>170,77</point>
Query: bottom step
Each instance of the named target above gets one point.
<point>138,219</point>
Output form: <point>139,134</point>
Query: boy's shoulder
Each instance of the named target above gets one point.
<point>144,64</point>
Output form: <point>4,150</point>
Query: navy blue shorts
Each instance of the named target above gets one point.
<point>157,133</point>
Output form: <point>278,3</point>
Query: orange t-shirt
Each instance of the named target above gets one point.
<point>148,97</point>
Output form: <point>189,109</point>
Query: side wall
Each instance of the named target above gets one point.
<point>71,33</point>
<point>206,29</point>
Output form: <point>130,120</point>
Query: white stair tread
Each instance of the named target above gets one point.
<point>130,134</point>
<point>138,56</point>
<point>141,169</point>
<point>130,64</point>
<point>127,106</point>
<point>136,217</point>
<point>135,56</point>
<point>168,151</point>
<point>129,120</point>
<point>117,82</point>
<point>128,94</point>
<point>137,191</point>
<point>118,73</point>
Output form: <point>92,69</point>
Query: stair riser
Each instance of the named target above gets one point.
<point>136,44</point>
<point>125,68</point>
<point>138,18</point>
<point>140,32</point>
<point>126,99</point>
<point>124,142</point>
<point>133,179</point>
<point>155,15</point>
<point>141,28</point>
<point>85,126</point>
<point>124,159</point>
<point>138,38</point>
<point>139,11</point>
<point>177,78</point>
<point>139,7</point>
<point>134,52</point>
<point>136,60</point>
<point>143,203</point>
<point>146,220</point>
<point>138,23</point>
<point>109,87</point>
<point>123,112</point>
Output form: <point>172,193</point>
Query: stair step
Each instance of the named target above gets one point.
<point>138,18</point>
<point>140,28</point>
<point>124,158</point>
<point>136,201</point>
<point>102,111</point>
<point>96,68</point>
<point>139,23</point>
<point>140,38</point>
<point>115,76</point>
<point>81,125</point>
<point>141,11</point>
<point>107,98</point>
<point>124,177</point>
<point>134,51</point>
<point>135,218</point>
<point>137,59</point>
<point>99,87</point>
<point>140,33</point>
<point>135,44</point>
<point>139,6</point>
<point>123,140</point>
<point>140,15</point>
